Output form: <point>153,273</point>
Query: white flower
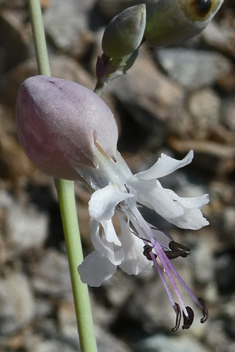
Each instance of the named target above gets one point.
<point>68,132</point>
<point>121,194</point>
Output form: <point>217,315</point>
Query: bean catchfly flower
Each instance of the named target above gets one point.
<point>118,191</point>
<point>67,131</point>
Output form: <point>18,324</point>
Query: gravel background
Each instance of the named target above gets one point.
<point>173,99</point>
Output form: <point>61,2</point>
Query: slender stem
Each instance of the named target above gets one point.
<point>66,196</point>
<point>39,38</point>
<point>68,210</point>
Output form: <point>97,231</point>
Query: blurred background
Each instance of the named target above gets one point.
<point>172,100</point>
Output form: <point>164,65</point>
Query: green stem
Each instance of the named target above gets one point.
<point>68,210</point>
<point>39,38</point>
<point>66,196</point>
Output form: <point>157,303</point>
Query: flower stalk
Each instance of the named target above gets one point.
<point>67,203</point>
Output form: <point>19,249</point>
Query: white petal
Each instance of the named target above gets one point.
<point>191,219</point>
<point>135,262</point>
<point>154,196</point>
<point>103,202</point>
<point>113,253</point>
<point>165,166</point>
<point>110,233</point>
<point>95,269</point>
<point>190,202</point>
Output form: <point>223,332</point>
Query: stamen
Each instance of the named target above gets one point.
<point>188,320</point>
<point>174,254</point>
<point>166,265</point>
<point>146,232</point>
<point>179,249</point>
<point>178,317</point>
<point>204,310</point>
<point>147,250</point>
<point>163,281</point>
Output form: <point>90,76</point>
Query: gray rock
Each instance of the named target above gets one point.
<point>26,228</point>
<point>205,106</point>
<point>65,20</point>
<point>147,88</point>
<point>147,99</point>
<point>150,307</point>
<point>231,347</point>
<point>54,346</point>
<point>51,274</point>
<point>202,257</point>
<point>162,343</point>
<point>220,37</point>
<point>229,114</point>
<point>216,337</point>
<point>119,288</point>
<point>106,342</point>
<point>192,68</point>
<point>43,308</point>
<point>6,200</point>
<point>227,223</point>
<point>16,303</point>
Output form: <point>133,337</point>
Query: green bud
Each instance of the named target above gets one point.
<point>172,21</point>
<point>124,32</point>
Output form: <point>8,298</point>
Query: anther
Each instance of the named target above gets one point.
<point>147,250</point>
<point>178,317</point>
<point>188,320</point>
<point>177,250</point>
<point>204,310</point>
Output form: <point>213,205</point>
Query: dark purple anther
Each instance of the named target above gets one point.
<point>178,317</point>
<point>147,251</point>
<point>177,250</point>
<point>204,310</point>
<point>188,320</point>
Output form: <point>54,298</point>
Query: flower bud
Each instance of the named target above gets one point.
<point>172,21</point>
<point>125,32</point>
<point>59,124</point>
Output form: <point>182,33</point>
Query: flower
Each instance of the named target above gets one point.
<point>121,195</point>
<point>68,132</point>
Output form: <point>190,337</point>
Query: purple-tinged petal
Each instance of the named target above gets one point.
<point>57,122</point>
